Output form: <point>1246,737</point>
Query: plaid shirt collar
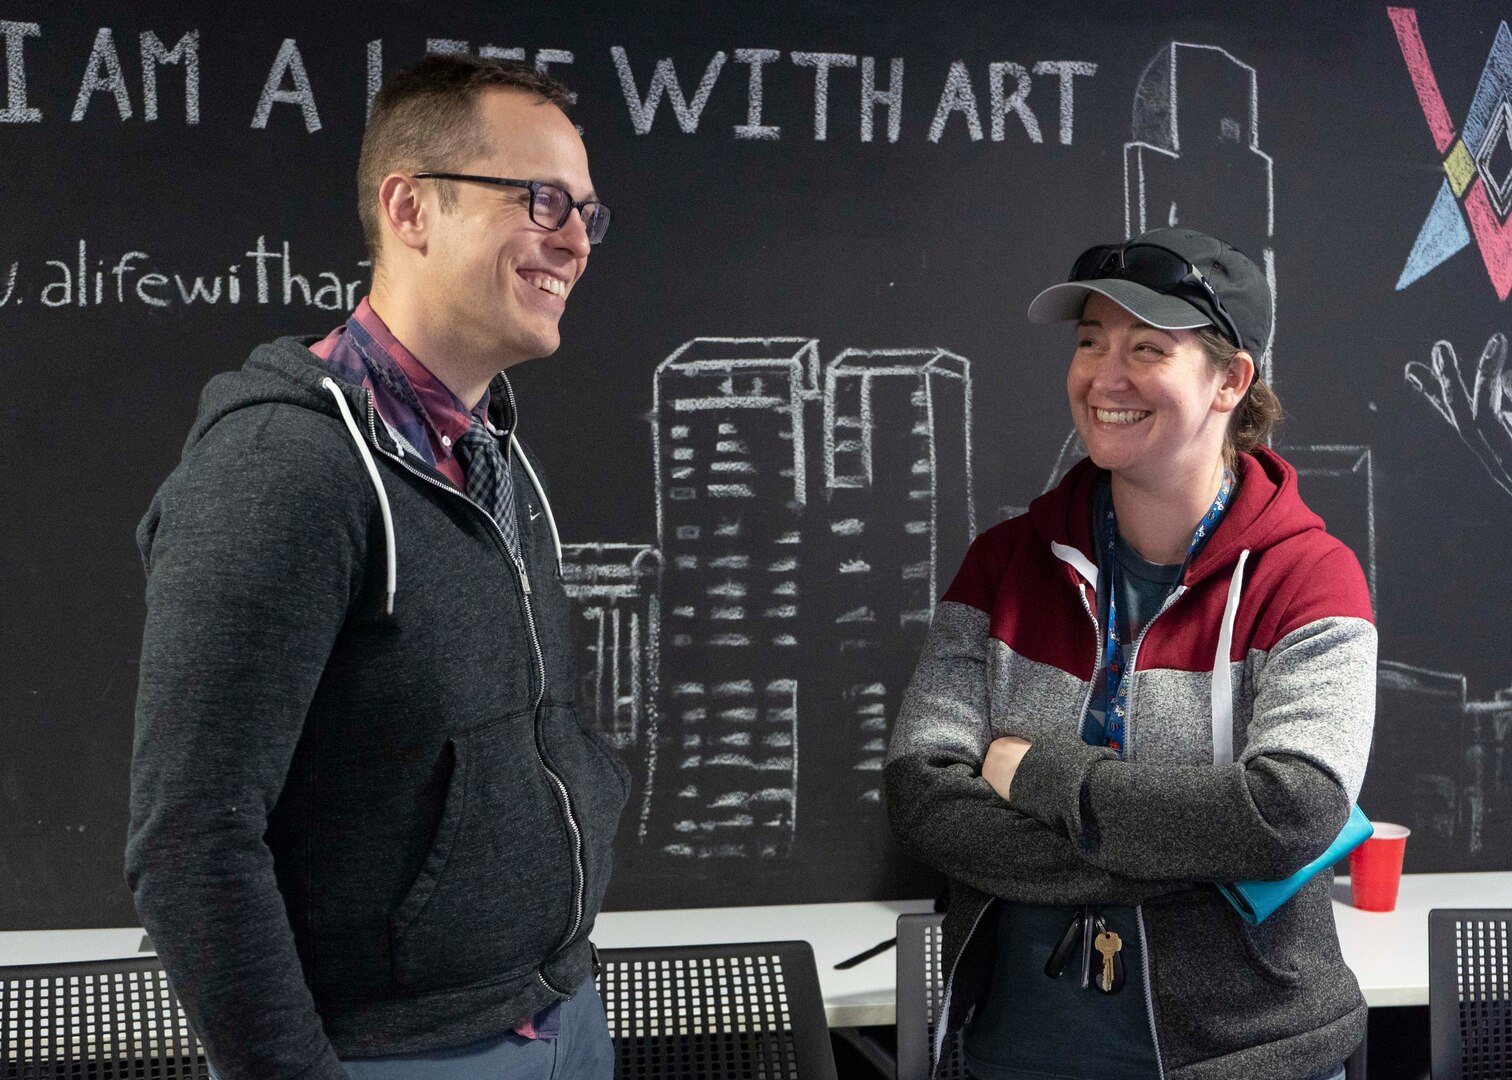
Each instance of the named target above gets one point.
<point>417,406</point>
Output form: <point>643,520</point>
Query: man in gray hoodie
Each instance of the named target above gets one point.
<point>369,833</point>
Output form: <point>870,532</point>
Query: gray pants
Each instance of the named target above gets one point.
<point>583,1049</point>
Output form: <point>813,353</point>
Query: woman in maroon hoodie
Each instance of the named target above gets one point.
<point>1160,678</point>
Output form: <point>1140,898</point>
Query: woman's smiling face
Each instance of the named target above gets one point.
<point>1143,400</point>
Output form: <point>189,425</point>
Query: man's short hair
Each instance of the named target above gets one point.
<point>425,117</point>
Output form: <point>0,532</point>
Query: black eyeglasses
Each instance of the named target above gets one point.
<point>1157,268</point>
<point>549,204</point>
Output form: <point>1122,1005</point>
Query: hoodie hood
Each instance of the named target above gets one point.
<point>281,372</point>
<point>1265,511</point>
<point>286,372</point>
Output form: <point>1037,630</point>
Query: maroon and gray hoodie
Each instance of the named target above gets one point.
<point>1248,729</point>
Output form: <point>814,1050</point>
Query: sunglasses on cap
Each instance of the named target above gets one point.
<point>1158,268</point>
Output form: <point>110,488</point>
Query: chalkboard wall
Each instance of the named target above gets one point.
<point>797,378</point>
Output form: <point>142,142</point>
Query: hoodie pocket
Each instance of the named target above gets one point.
<point>496,890</point>
<point>1204,958</point>
<point>1299,939</point>
<point>1265,949</point>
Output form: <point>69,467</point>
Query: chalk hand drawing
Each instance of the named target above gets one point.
<point>1480,410</point>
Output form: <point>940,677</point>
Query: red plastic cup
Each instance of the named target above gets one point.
<point>1375,867</point>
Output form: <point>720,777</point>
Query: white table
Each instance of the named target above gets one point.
<point>1388,951</point>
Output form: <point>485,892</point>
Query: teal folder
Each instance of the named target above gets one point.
<point>1255,900</point>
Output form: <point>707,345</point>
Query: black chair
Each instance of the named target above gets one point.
<point>920,987</point>
<point>97,1020</point>
<point>1470,993</point>
<point>711,1012</point>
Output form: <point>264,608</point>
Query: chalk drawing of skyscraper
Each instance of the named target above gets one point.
<point>614,590</point>
<point>897,473</point>
<point>1450,779</point>
<point>1194,158</point>
<point>731,485</point>
<point>1338,483</point>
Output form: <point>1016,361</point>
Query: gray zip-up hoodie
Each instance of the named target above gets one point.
<point>365,816</point>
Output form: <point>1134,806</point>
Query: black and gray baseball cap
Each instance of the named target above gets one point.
<point>1174,279</point>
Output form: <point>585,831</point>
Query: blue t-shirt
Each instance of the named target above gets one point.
<point>1030,1026</point>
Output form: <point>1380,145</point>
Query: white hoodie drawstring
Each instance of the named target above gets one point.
<point>1222,682</point>
<point>1077,561</point>
<point>383,502</point>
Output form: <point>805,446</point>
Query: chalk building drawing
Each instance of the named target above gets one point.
<point>731,484</point>
<point>802,514</point>
<point>897,467</point>
<point>1338,484</point>
<point>1458,801</point>
<point>1195,158</point>
<point>615,592</point>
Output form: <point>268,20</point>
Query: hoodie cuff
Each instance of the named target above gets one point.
<point>1048,783</point>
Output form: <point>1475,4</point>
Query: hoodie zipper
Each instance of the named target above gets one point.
<point>1144,939</point>
<point>518,562</point>
<point>942,1021</point>
<point>1176,594</point>
<point>1144,961</point>
<point>1097,651</point>
<point>572,824</point>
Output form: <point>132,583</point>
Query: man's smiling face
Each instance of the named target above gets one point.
<point>501,280</point>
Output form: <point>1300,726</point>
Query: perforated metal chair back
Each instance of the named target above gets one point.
<point>1470,993</point>
<point>712,1012</point>
<point>921,986</point>
<point>99,1020</point>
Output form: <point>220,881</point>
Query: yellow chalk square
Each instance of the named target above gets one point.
<point>1460,168</point>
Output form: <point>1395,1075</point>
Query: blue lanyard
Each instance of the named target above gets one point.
<point>1116,682</point>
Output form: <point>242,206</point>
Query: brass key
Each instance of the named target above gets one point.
<point>1107,943</point>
